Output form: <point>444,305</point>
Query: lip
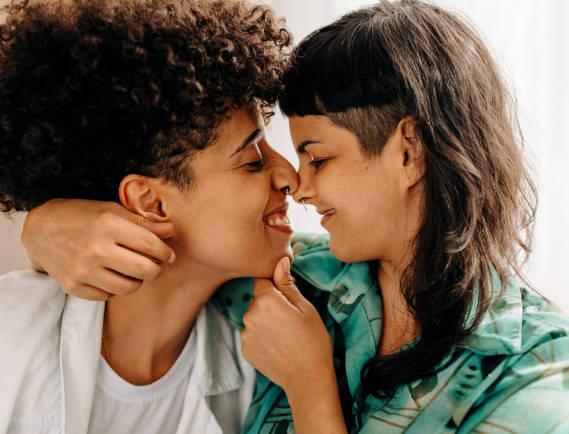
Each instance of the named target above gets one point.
<point>286,229</point>
<point>326,215</point>
<point>281,208</point>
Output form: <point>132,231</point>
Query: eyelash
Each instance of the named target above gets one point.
<point>255,166</point>
<point>318,164</point>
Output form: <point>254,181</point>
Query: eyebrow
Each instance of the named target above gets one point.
<point>252,137</point>
<point>303,145</point>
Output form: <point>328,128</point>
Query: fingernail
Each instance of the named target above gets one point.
<point>172,257</point>
<point>286,265</point>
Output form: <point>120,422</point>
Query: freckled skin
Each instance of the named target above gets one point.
<point>366,192</point>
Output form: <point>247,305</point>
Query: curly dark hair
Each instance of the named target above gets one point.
<point>92,90</point>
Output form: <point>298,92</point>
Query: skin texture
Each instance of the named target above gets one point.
<point>475,211</point>
<point>218,221</point>
<point>227,202</point>
<point>230,197</point>
<point>95,235</point>
<point>334,175</point>
<point>376,203</point>
<point>299,373</point>
<point>333,172</point>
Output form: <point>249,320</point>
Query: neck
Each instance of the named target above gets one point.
<point>145,332</point>
<point>399,327</point>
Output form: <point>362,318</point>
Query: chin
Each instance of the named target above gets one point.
<point>344,253</point>
<point>268,270</point>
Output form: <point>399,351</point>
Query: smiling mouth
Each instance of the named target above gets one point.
<point>277,219</point>
<point>327,215</point>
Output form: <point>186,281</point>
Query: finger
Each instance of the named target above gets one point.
<point>112,282</point>
<point>262,286</point>
<point>285,283</point>
<point>131,263</point>
<point>160,229</point>
<point>281,275</point>
<point>92,293</point>
<point>139,239</point>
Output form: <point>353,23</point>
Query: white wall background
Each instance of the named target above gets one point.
<point>532,43</point>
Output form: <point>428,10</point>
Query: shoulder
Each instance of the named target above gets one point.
<point>531,393</point>
<point>28,297</point>
<point>544,333</point>
<point>31,306</point>
<point>542,320</point>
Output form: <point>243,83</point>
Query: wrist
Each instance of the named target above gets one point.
<point>315,403</point>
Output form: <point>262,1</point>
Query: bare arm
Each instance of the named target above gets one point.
<point>95,250</point>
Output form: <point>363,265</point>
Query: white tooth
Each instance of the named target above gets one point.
<point>271,223</point>
<point>286,221</point>
<point>278,222</point>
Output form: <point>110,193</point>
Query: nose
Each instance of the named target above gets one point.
<point>284,176</point>
<point>305,190</point>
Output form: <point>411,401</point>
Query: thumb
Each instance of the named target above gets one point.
<point>285,283</point>
<point>162,230</point>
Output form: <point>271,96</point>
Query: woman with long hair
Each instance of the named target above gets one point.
<point>409,147</point>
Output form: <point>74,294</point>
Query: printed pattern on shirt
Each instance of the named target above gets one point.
<point>510,376</point>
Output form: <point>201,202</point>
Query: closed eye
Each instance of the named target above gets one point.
<point>318,164</point>
<point>255,166</point>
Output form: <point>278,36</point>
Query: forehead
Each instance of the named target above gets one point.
<point>313,128</point>
<point>234,131</point>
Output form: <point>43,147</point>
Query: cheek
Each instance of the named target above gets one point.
<point>229,232</point>
<point>233,209</point>
<point>365,214</point>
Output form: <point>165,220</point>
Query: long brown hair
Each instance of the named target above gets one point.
<point>366,72</point>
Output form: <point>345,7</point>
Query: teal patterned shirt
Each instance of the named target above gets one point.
<point>510,376</point>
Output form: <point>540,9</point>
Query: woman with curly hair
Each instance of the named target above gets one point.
<point>408,147</point>
<point>159,106</point>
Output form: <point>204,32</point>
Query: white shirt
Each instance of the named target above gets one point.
<point>50,347</point>
<point>121,407</point>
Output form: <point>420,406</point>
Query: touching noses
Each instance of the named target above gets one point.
<point>284,177</point>
<point>305,191</point>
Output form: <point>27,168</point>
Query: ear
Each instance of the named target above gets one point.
<point>412,152</point>
<point>143,196</point>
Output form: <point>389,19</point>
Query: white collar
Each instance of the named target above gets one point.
<point>216,367</point>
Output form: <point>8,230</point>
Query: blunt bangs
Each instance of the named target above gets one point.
<point>339,67</point>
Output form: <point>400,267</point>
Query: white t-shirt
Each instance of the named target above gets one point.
<point>50,345</point>
<point>121,408</point>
